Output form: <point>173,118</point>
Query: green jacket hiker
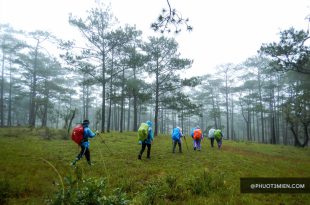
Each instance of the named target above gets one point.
<point>145,134</point>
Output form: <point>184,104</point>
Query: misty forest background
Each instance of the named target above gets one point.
<point>117,79</point>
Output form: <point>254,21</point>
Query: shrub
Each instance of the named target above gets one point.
<point>87,191</point>
<point>201,184</point>
<point>205,184</point>
<point>171,182</point>
<point>175,191</point>
<point>153,191</point>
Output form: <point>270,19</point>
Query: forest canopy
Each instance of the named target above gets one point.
<point>117,79</point>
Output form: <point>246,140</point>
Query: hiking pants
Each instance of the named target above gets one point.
<point>212,142</point>
<point>197,144</point>
<point>219,143</point>
<point>148,149</point>
<point>175,142</point>
<point>84,151</point>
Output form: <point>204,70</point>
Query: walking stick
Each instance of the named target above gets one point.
<point>185,143</point>
<point>104,143</point>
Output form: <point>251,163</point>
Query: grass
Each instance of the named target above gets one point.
<point>32,166</point>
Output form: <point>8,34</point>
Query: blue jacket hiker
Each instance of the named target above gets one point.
<point>85,143</point>
<point>176,139</point>
<point>145,138</point>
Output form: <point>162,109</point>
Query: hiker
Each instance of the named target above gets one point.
<point>145,138</point>
<point>218,136</point>
<point>84,144</point>
<point>211,136</point>
<point>197,136</point>
<point>176,139</point>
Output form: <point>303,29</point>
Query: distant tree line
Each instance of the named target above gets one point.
<point>117,79</point>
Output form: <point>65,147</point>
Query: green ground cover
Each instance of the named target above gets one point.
<point>36,170</point>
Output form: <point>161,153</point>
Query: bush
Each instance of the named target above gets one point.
<point>87,191</point>
<point>14,132</point>
<point>171,182</point>
<point>205,184</point>
<point>175,191</point>
<point>48,133</point>
<point>153,192</point>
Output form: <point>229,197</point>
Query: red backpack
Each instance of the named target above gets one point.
<point>197,134</point>
<point>78,134</point>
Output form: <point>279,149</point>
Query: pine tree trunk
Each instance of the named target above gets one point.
<point>226,104</point>
<point>261,107</point>
<point>2,90</point>
<point>32,111</point>
<point>156,101</point>
<point>9,123</point>
<point>103,83</point>
<point>129,114</point>
<point>45,105</point>
<point>122,101</point>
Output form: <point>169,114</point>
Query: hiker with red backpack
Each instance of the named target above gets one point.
<point>80,135</point>
<point>197,136</point>
<point>176,139</point>
<point>145,134</point>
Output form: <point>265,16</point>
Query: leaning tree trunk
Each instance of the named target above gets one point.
<point>70,123</point>
<point>295,135</point>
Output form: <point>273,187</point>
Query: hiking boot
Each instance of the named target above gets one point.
<point>148,157</point>
<point>89,163</point>
<point>139,157</point>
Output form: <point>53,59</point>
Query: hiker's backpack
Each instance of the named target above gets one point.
<point>78,134</point>
<point>197,134</point>
<point>218,134</point>
<point>211,133</point>
<point>176,133</point>
<point>143,131</point>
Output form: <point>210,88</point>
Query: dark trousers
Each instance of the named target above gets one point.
<point>175,142</point>
<point>212,142</point>
<point>143,148</point>
<point>84,151</point>
<point>219,142</point>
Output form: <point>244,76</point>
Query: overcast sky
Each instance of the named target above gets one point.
<point>225,31</point>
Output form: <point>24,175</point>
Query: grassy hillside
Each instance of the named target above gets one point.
<point>36,170</point>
